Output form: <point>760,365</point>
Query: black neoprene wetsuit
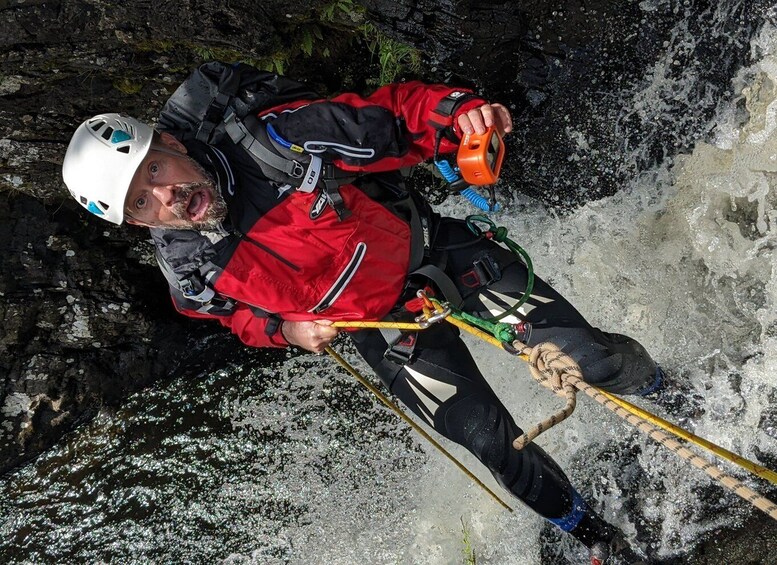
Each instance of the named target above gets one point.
<point>441,383</point>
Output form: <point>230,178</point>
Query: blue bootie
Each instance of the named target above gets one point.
<point>655,386</point>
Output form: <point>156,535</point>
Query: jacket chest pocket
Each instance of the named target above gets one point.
<point>345,276</point>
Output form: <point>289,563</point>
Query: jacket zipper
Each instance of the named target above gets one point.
<point>266,249</point>
<point>342,281</point>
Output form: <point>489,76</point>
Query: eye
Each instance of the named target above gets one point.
<point>140,203</point>
<point>153,168</point>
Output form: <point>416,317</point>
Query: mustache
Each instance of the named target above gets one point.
<point>184,193</point>
<point>215,214</point>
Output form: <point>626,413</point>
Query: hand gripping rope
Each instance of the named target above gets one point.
<point>555,370</point>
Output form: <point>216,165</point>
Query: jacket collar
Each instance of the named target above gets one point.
<point>216,164</point>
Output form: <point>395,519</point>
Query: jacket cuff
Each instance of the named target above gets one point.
<point>274,333</point>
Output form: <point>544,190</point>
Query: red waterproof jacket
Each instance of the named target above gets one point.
<point>294,258</point>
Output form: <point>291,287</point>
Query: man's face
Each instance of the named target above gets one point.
<point>170,189</point>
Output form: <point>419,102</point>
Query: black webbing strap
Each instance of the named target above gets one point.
<point>213,117</point>
<point>401,346</point>
<point>273,323</point>
<point>330,181</point>
<point>443,282</point>
<point>337,203</point>
<point>229,83</point>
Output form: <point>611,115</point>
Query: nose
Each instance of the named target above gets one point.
<point>165,194</point>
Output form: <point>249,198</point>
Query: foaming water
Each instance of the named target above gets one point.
<point>683,260</point>
<point>294,463</point>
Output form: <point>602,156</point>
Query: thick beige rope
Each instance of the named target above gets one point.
<point>560,373</point>
<point>553,369</point>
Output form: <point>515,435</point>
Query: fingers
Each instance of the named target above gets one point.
<point>313,336</point>
<point>502,118</point>
<point>322,336</point>
<point>477,120</point>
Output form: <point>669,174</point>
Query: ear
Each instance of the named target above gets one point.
<point>170,141</point>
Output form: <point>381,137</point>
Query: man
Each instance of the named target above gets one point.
<point>277,261</point>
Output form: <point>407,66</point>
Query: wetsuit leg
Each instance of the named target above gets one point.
<point>613,362</point>
<point>443,386</point>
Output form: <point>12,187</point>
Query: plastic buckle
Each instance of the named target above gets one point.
<point>234,128</point>
<point>204,132</point>
<point>401,351</point>
<point>297,170</point>
<point>487,270</point>
<point>337,203</point>
<point>398,356</point>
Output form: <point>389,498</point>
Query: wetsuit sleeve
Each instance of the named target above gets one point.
<point>395,127</point>
<point>252,329</point>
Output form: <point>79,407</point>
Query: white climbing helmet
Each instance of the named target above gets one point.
<point>101,160</point>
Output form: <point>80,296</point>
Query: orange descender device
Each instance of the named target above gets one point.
<point>480,157</point>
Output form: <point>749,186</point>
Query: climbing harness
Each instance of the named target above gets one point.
<point>557,371</point>
<point>499,234</point>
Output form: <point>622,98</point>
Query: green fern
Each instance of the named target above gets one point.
<point>306,42</point>
<point>332,11</point>
<point>394,57</point>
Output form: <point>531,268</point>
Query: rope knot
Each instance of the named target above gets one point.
<point>553,369</point>
<point>499,235</point>
<point>504,332</point>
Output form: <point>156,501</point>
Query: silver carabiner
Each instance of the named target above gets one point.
<point>425,322</point>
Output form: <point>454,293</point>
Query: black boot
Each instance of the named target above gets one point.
<point>676,398</point>
<point>615,552</point>
<point>606,543</point>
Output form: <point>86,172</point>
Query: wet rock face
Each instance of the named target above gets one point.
<point>86,317</point>
<point>85,324</point>
<point>569,69</point>
<point>476,41</point>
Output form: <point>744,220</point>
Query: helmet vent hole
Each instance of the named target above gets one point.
<point>125,149</point>
<point>83,201</point>
<point>103,205</point>
<point>97,125</point>
<point>128,128</point>
<point>107,133</point>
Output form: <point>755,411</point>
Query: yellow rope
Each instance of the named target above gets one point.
<point>406,326</point>
<point>552,367</point>
<point>559,372</point>
<point>723,453</point>
<point>734,485</point>
<point>385,400</point>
